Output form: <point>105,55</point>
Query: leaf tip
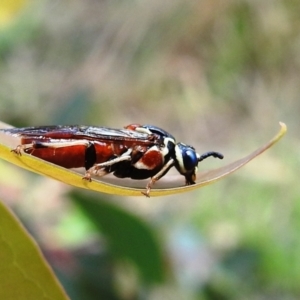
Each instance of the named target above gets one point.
<point>283,126</point>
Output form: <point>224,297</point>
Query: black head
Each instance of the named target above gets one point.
<point>186,161</point>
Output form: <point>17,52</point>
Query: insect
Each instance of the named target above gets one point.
<point>136,152</point>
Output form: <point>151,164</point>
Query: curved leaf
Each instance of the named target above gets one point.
<point>167,186</point>
<point>24,273</point>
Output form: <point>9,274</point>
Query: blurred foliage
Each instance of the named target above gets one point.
<point>9,10</point>
<point>125,234</point>
<point>217,74</point>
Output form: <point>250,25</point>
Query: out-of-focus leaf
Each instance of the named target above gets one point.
<point>174,183</point>
<point>9,9</point>
<point>128,236</point>
<point>24,273</point>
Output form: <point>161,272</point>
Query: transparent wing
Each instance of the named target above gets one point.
<point>80,132</point>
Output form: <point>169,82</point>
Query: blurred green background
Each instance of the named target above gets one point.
<point>218,75</point>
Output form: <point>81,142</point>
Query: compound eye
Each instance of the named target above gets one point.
<point>190,159</point>
<point>186,157</point>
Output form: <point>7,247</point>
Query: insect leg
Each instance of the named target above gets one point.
<point>49,144</point>
<point>112,162</point>
<point>159,175</point>
<point>97,168</point>
<point>18,150</point>
<point>60,144</point>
